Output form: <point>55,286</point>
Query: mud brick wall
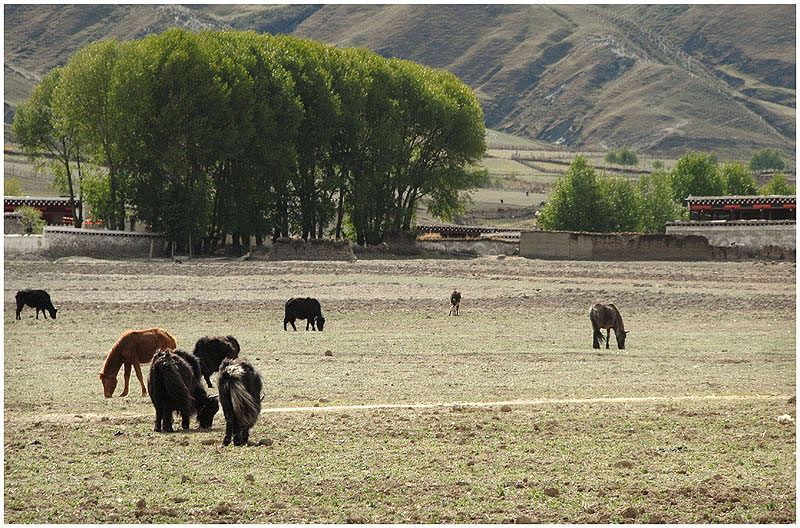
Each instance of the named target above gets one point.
<point>70,241</point>
<point>749,233</point>
<point>11,224</point>
<point>471,247</point>
<point>312,249</point>
<point>613,246</point>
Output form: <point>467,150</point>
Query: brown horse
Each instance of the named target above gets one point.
<point>606,316</point>
<point>132,348</point>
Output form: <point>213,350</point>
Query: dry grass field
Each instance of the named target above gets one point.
<point>399,413</point>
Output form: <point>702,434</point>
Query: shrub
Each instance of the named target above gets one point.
<point>31,220</point>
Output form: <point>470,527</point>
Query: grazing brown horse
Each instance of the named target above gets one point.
<point>606,316</point>
<point>132,348</point>
<point>455,302</point>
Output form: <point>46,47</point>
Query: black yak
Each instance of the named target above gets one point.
<point>38,299</point>
<point>308,309</point>
<point>455,302</point>
<point>212,350</point>
<point>175,386</point>
<point>606,316</point>
<point>240,397</point>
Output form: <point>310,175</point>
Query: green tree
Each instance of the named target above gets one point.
<point>627,157</point>
<point>657,206</point>
<point>737,179</point>
<point>611,157</point>
<point>778,185</point>
<point>576,202</point>
<point>86,100</point>
<point>621,205</point>
<point>252,185</point>
<point>13,187</point>
<point>695,174</point>
<point>214,133</point>
<point>306,62</point>
<point>31,219</point>
<point>658,164</point>
<point>767,159</point>
<point>48,137</point>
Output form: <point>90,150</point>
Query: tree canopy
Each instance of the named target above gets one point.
<point>213,133</point>
<point>767,159</point>
<point>582,201</point>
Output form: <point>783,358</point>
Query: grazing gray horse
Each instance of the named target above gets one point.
<point>606,316</point>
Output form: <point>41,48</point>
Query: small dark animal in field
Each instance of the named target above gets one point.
<point>38,299</point>
<point>606,316</point>
<point>308,309</point>
<point>212,350</point>
<point>131,349</point>
<point>455,302</point>
<point>240,397</point>
<point>175,385</point>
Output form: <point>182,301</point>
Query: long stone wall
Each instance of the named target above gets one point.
<point>312,249</point>
<point>70,241</point>
<point>612,246</point>
<point>471,246</point>
<point>753,234</point>
<point>23,244</point>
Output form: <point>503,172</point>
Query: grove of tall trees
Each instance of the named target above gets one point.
<point>209,134</point>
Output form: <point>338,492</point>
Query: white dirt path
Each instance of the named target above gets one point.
<point>80,417</point>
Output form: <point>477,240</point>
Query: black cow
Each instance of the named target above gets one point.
<point>212,350</point>
<point>175,385</point>
<point>38,299</point>
<point>308,309</point>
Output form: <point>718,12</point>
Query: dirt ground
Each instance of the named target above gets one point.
<point>398,412</point>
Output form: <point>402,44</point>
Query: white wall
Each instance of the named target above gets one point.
<point>748,233</point>
<point>19,244</point>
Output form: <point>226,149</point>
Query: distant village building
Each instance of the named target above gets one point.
<point>55,210</point>
<point>749,221</point>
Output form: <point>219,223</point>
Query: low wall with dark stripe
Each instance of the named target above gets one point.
<point>70,241</point>
<point>569,245</point>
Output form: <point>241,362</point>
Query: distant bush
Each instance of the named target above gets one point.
<point>13,187</point>
<point>778,185</point>
<point>767,159</point>
<point>31,219</point>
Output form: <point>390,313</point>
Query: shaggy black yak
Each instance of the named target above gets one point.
<point>212,350</point>
<point>175,385</point>
<point>240,397</point>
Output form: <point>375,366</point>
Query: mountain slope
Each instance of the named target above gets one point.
<point>658,78</point>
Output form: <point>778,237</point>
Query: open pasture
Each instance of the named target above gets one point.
<point>399,413</point>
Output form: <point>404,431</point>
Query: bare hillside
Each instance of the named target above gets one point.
<point>659,78</point>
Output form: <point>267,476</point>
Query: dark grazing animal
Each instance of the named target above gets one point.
<point>240,397</point>
<point>455,302</point>
<point>132,348</point>
<point>38,299</point>
<point>175,385</point>
<point>606,316</point>
<point>212,350</point>
<point>308,309</point>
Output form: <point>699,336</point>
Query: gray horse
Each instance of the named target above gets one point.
<point>606,316</point>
